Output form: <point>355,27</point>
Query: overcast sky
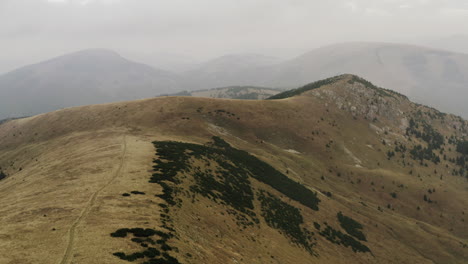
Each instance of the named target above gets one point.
<point>33,30</point>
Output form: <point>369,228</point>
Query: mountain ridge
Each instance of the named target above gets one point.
<point>232,92</point>
<point>357,148</point>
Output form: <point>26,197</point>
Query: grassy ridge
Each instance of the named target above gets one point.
<point>320,83</point>
<point>305,88</point>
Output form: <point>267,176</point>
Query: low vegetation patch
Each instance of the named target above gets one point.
<point>462,147</point>
<point>351,226</point>
<point>177,154</point>
<point>153,243</point>
<point>379,90</point>
<point>2,175</point>
<point>286,218</point>
<point>421,129</point>
<point>226,184</point>
<point>434,140</point>
<point>339,238</point>
<point>226,179</point>
<point>421,153</point>
<point>265,173</point>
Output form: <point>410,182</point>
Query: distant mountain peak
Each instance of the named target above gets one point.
<point>84,77</point>
<point>347,78</point>
<point>94,55</point>
<point>96,51</point>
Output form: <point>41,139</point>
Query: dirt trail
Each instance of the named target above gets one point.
<point>67,257</point>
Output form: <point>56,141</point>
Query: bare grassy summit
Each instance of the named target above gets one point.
<point>338,171</point>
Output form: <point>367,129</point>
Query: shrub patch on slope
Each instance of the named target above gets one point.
<point>153,242</point>
<point>287,218</point>
<point>226,179</point>
<point>339,238</point>
<point>2,175</point>
<point>176,155</point>
<point>224,174</point>
<point>351,226</point>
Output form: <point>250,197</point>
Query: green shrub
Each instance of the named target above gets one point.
<point>286,218</point>
<point>2,175</point>
<point>317,225</point>
<point>138,232</point>
<point>462,147</point>
<point>337,237</point>
<point>351,226</point>
<point>120,232</point>
<point>142,236</point>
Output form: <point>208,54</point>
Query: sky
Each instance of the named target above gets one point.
<point>197,30</point>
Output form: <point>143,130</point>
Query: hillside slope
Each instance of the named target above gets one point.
<point>81,78</point>
<point>336,172</point>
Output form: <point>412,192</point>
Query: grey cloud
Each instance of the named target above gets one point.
<point>31,30</point>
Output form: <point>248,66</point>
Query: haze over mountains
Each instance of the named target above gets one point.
<point>457,43</point>
<point>228,70</point>
<point>433,77</point>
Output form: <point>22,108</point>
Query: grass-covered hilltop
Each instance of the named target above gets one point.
<point>336,171</point>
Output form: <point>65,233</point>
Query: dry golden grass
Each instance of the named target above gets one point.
<point>76,163</point>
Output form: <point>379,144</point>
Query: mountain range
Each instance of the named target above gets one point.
<point>429,76</point>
